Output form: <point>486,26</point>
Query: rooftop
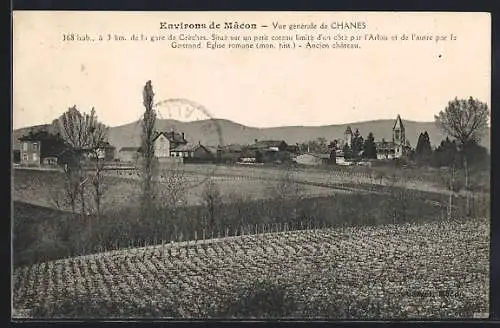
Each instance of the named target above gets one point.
<point>172,136</point>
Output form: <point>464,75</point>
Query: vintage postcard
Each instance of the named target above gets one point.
<point>251,165</point>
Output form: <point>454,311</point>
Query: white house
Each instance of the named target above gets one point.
<point>312,159</point>
<point>162,146</point>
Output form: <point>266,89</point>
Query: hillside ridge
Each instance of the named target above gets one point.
<point>206,132</point>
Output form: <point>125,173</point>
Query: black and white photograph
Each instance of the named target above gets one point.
<point>250,165</point>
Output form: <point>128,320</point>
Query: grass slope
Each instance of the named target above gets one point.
<point>434,270</point>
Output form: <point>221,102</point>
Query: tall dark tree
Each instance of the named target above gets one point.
<point>369,147</point>
<point>347,151</point>
<point>148,157</point>
<point>423,151</point>
<point>446,154</point>
<point>466,120</point>
<point>357,144</point>
<point>212,199</point>
<point>332,147</point>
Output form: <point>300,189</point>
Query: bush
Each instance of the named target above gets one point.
<point>261,300</point>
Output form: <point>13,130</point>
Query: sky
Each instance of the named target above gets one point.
<point>260,88</point>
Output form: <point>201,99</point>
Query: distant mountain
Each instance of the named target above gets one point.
<point>206,133</point>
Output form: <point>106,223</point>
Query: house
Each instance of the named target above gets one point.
<point>398,147</point>
<point>202,153</point>
<point>230,153</point>
<point>36,146</point>
<point>129,154</point>
<point>162,145</point>
<point>30,149</point>
<point>176,139</point>
<point>184,151</point>
<point>171,144</point>
<point>312,159</point>
<point>105,152</point>
<point>385,149</point>
<point>50,161</point>
<point>268,151</point>
<point>269,145</point>
<point>293,149</point>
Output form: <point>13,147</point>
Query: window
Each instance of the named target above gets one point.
<point>35,157</point>
<point>25,146</point>
<point>25,157</point>
<point>34,146</point>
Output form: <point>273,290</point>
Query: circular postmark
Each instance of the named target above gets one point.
<point>194,137</point>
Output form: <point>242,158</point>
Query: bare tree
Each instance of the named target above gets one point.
<point>466,120</point>
<point>148,157</point>
<point>212,199</point>
<point>169,193</point>
<point>85,136</point>
<point>286,192</point>
<point>98,138</point>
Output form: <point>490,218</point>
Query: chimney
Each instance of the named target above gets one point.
<point>182,135</point>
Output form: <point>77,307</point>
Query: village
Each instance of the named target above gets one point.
<point>41,148</point>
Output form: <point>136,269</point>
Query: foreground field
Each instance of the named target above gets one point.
<point>122,188</point>
<point>435,270</point>
<point>46,188</point>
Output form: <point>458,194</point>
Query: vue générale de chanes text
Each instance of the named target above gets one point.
<point>164,25</point>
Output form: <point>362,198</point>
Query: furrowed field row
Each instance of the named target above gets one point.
<point>381,264</point>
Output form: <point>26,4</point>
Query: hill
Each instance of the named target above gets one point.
<point>205,132</point>
<point>231,132</point>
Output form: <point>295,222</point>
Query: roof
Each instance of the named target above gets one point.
<point>211,149</point>
<point>207,149</point>
<point>381,144</point>
<point>348,130</point>
<point>172,136</point>
<point>39,135</point>
<point>183,148</point>
<point>398,120</point>
<point>231,147</point>
<point>268,143</point>
<point>130,148</point>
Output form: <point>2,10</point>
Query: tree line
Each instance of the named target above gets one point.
<point>464,121</point>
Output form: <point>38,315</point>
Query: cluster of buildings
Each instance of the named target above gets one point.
<point>397,147</point>
<point>42,148</point>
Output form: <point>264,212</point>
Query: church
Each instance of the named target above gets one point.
<point>398,147</point>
